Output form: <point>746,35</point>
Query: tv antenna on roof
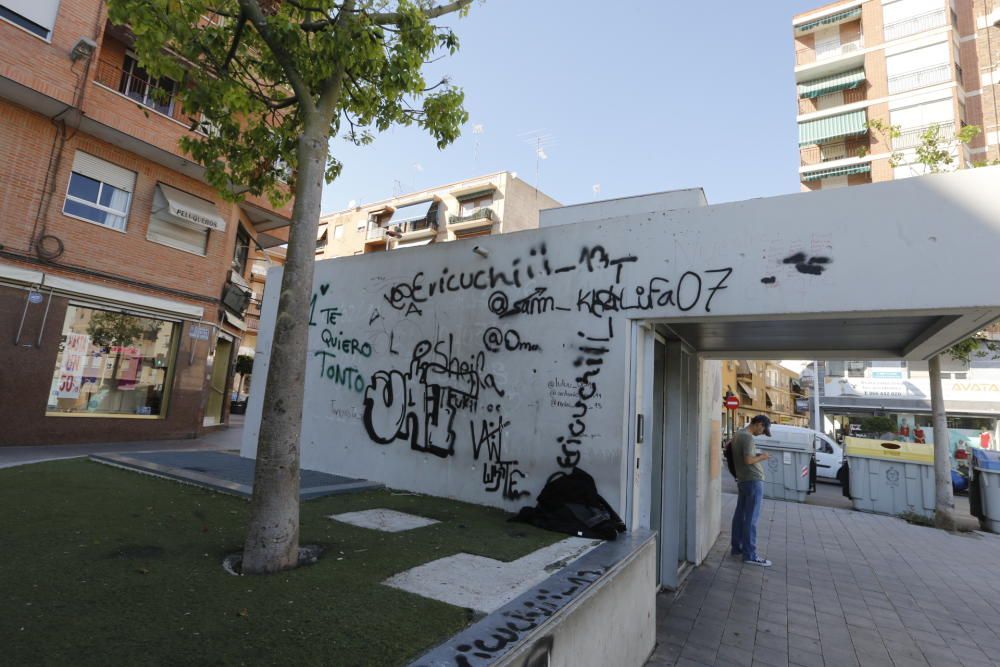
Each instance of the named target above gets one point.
<point>540,140</point>
<point>477,131</point>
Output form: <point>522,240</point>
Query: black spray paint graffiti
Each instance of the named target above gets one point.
<point>420,405</point>
<point>498,474</point>
<point>496,340</point>
<point>813,266</point>
<point>659,292</point>
<point>408,296</point>
<point>524,618</point>
<point>592,351</point>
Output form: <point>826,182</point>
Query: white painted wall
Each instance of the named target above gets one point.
<point>576,292</point>
<point>656,202</point>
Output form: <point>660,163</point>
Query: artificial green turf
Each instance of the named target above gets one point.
<point>104,566</point>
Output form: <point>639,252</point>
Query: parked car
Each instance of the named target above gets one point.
<point>828,452</point>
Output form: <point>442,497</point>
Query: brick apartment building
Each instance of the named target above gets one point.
<point>497,203</point>
<point>908,63</point>
<point>912,64</point>
<point>124,277</point>
<point>763,387</point>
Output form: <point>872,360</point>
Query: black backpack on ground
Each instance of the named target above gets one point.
<point>569,503</point>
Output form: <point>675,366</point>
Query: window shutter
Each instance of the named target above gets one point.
<point>41,12</point>
<point>88,165</point>
<point>190,239</point>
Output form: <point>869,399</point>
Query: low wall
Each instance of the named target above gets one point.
<point>599,610</point>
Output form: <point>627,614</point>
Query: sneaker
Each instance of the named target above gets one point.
<point>763,562</point>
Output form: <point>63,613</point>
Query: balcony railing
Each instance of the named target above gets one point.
<point>839,150</point>
<point>156,94</point>
<point>252,316</point>
<point>416,225</point>
<point>480,214</point>
<point>806,56</point>
<point>915,24</point>
<point>375,234</point>
<point>914,137</point>
<point>919,79</point>
<point>850,96</point>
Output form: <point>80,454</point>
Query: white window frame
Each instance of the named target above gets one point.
<point>338,231</point>
<point>128,69</point>
<point>50,28</point>
<point>97,205</point>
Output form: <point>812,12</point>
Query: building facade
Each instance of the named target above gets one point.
<point>497,203</point>
<point>124,277</point>
<point>863,66</point>
<point>912,65</point>
<point>763,388</point>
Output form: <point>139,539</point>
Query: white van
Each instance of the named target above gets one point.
<point>829,454</point>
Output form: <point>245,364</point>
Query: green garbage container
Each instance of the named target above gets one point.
<point>786,471</point>
<point>890,477</point>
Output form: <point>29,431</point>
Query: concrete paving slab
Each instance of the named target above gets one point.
<point>385,520</point>
<point>225,472</point>
<point>847,588</point>
<point>485,584</point>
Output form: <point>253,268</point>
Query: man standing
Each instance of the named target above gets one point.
<point>750,481</point>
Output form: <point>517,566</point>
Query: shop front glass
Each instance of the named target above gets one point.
<point>112,364</point>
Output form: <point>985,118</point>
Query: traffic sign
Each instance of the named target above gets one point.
<point>731,402</point>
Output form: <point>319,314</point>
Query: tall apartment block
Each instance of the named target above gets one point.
<point>912,64</point>
<point>496,203</point>
<point>905,63</point>
<point>124,276</point>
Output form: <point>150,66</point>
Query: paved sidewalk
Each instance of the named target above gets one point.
<point>217,439</point>
<point>847,588</point>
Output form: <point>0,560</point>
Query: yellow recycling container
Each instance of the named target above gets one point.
<point>914,452</point>
<point>889,477</point>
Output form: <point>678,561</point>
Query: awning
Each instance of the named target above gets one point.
<point>831,84</point>
<point>837,171</point>
<point>233,321</point>
<point>409,212</point>
<point>414,243</point>
<point>475,194</point>
<point>832,18</point>
<point>824,129</point>
<point>189,209</point>
<point>320,232</point>
<point>747,390</point>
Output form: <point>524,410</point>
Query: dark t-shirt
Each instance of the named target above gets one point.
<point>744,446</point>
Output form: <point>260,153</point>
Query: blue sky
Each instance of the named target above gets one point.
<point>637,96</point>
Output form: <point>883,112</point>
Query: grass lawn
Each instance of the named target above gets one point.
<point>109,567</point>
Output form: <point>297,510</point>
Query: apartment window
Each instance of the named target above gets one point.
<point>99,192</point>
<point>471,205</point>
<point>338,232</point>
<point>157,94</point>
<point>242,250</point>
<point>112,364</point>
<point>35,16</point>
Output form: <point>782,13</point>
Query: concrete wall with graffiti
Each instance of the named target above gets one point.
<point>476,369</point>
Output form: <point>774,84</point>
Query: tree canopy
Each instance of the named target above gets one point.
<point>252,73</point>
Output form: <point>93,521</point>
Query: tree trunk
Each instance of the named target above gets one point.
<point>944,500</point>
<point>272,542</point>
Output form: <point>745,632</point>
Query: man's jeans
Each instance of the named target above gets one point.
<point>748,502</point>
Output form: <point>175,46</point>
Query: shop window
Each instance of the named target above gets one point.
<point>99,192</point>
<point>112,364</point>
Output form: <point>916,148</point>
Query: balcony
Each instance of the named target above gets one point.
<point>839,150</point>
<point>914,24</point>
<point>808,56</point>
<point>375,234</point>
<point>914,137</point>
<point>412,228</point>
<point>928,76</point>
<point>134,83</point>
<point>252,316</point>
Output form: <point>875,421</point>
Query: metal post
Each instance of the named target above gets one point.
<point>817,425</point>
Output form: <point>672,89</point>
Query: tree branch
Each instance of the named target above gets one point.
<point>285,60</point>
<point>241,22</point>
<point>383,18</point>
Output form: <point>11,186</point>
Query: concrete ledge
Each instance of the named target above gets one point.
<point>225,473</point>
<point>598,610</point>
